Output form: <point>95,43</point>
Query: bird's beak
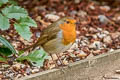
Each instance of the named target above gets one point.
<point>77,23</point>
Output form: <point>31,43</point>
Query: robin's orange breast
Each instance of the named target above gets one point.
<point>69,32</point>
<point>56,45</point>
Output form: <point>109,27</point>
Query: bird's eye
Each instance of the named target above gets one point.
<point>67,22</point>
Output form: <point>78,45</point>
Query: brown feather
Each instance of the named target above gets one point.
<point>48,34</point>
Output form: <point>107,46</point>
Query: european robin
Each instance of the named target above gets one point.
<point>57,37</point>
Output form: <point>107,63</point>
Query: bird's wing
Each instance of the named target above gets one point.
<point>48,34</point>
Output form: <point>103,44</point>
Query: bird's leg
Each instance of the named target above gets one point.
<point>62,69</point>
<point>62,64</point>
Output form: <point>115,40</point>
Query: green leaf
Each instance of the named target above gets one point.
<point>36,57</point>
<point>13,2</point>
<point>5,51</point>
<point>20,52</point>
<point>3,2</point>
<point>23,30</point>
<point>2,59</point>
<point>28,21</point>
<point>7,44</point>
<point>14,12</point>
<point>4,22</point>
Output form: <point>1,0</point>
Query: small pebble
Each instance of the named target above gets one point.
<point>1,72</point>
<point>117,71</point>
<point>83,43</point>
<point>61,54</point>
<point>23,66</point>
<point>11,75</point>
<point>51,66</point>
<point>82,54</point>
<point>111,50</point>
<point>107,40</point>
<point>73,12</point>
<point>105,8</point>
<point>78,32</point>
<point>5,65</point>
<point>37,34</point>
<point>70,50</point>
<point>100,29</point>
<point>61,14</point>
<point>82,13</point>
<point>65,62</point>
<point>77,59</point>
<point>97,52</point>
<point>49,57</point>
<point>77,1</point>
<point>118,18</point>
<point>52,17</point>
<point>103,19</point>
<point>54,56</point>
<point>1,76</point>
<point>35,70</point>
<point>43,8</point>
<point>94,36</point>
<point>72,55</point>
<point>75,45</point>
<point>17,66</point>
<point>115,35</point>
<point>101,35</point>
<point>93,29</point>
<point>38,18</point>
<point>58,62</point>
<point>18,76</point>
<point>106,32</point>
<point>28,71</point>
<point>95,45</point>
<point>92,7</point>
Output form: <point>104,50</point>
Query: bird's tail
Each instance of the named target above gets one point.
<point>39,42</point>
<point>33,46</point>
